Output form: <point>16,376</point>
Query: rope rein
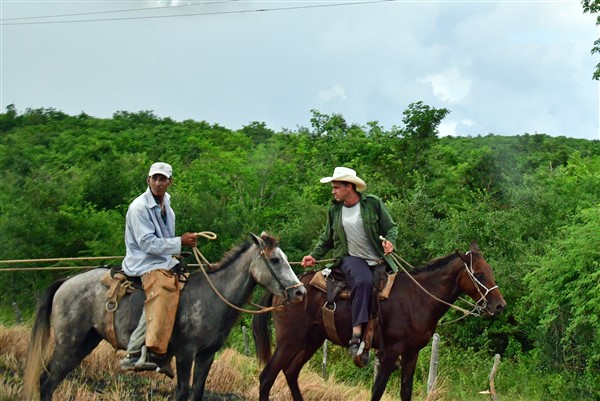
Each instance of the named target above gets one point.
<point>477,309</point>
<point>198,255</point>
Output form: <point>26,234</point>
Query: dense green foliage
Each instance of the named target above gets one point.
<point>532,202</point>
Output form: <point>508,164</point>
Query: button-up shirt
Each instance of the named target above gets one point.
<point>150,240</point>
<point>377,221</point>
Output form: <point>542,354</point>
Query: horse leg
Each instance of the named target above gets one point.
<point>202,364</point>
<point>184,369</point>
<point>408,363</point>
<point>65,358</point>
<point>386,367</point>
<point>292,370</point>
<point>278,361</point>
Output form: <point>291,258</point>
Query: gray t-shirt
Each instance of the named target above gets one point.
<point>358,243</point>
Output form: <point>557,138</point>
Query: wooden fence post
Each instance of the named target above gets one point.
<point>18,314</point>
<point>493,376</point>
<point>245,332</point>
<point>324,365</point>
<point>433,364</point>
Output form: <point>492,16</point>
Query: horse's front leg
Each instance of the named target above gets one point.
<point>203,362</point>
<point>386,366</point>
<point>184,370</point>
<point>408,363</point>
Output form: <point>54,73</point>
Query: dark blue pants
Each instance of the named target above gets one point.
<point>360,280</point>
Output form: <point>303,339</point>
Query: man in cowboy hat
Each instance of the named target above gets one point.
<point>151,245</point>
<point>355,223</point>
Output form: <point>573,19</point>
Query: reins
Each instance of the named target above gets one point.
<point>198,255</point>
<point>477,309</point>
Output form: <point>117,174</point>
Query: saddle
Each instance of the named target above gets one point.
<point>333,283</point>
<point>119,285</point>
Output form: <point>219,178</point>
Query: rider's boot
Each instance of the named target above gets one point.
<point>359,355</point>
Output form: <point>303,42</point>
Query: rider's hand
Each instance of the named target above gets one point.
<point>308,261</point>
<point>388,247</point>
<point>189,239</point>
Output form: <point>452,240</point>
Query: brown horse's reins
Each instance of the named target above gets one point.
<point>198,255</point>
<point>476,307</point>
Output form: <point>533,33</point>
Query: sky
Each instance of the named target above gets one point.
<point>499,67</point>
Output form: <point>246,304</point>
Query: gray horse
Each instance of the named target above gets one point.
<point>76,307</point>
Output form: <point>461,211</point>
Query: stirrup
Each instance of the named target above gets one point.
<point>356,348</point>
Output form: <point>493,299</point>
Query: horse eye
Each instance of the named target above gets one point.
<point>480,277</point>
<point>275,261</point>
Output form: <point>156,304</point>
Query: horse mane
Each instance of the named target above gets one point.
<point>233,254</point>
<point>436,264</point>
<point>440,263</point>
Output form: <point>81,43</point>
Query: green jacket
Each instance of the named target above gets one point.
<point>377,221</point>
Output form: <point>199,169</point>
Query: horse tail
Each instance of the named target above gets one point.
<point>260,331</point>
<point>38,345</point>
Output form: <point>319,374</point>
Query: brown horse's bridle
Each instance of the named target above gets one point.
<point>478,310</point>
<point>478,284</point>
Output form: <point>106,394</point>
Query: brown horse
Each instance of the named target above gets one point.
<point>409,318</point>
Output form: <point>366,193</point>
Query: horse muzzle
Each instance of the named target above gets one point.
<point>296,294</point>
<point>495,307</point>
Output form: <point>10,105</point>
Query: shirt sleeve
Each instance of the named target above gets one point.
<point>387,224</point>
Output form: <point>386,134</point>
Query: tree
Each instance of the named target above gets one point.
<point>420,133</point>
<point>593,7</point>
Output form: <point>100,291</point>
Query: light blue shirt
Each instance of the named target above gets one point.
<point>150,241</point>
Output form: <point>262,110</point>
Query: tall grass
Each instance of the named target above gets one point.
<point>99,378</point>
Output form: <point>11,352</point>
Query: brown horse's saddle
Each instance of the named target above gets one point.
<point>333,283</point>
<point>334,280</point>
<point>119,284</point>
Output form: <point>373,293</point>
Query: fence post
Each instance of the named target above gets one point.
<point>245,332</point>
<point>493,376</point>
<point>18,314</point>
<point>324,365</point>
<point>433,364</point>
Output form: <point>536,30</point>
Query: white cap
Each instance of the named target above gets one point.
<point>161,168</point>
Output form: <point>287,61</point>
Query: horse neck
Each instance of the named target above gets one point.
<point>441,283</point>
<point>233,279</point>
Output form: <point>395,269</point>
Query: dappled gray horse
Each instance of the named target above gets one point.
<point>76,307</point>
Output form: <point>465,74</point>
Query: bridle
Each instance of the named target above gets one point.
<point>276,277</point>
<point>198,255</point>
<point>480,309</point>
<point>477,308</point>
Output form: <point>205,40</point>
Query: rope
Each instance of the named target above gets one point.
<point>400,262</point>
<point>199,256</point>
<point>60,259</point>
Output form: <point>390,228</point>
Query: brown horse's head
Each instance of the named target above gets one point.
<point>477,281</point>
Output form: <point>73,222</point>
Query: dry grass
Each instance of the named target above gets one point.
<point>99,378</point>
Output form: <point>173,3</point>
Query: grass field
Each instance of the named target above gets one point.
<point>233,376</point>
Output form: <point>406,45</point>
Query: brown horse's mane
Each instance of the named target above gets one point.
<point>438,263</point>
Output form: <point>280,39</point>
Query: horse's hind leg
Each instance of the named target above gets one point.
<point>292,371</point>
<point>66,356</point>
<point>283,353</point>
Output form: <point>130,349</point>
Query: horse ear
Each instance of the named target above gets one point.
<point>474,247</point>
<point>258,241</point>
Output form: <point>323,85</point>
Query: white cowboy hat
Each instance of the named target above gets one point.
<point>347,175</point>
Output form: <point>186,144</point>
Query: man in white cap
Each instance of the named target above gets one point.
<point>355,223</point>
<point>151,245</point>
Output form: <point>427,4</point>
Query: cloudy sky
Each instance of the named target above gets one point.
<point>501,67</point>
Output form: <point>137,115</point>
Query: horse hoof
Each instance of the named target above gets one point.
<point>361,360</point>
